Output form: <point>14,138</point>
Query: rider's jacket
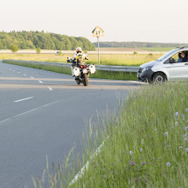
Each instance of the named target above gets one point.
<point>79,59</point>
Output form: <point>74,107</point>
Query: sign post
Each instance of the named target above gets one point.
<point>98,32</point>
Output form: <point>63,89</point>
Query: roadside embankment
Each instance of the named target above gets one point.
<point>147,144</point>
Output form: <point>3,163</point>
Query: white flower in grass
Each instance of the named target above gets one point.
<point>180,147</point>
<point>177,113</point>
<point>168,164</point>
<point>185,137</point>
<point>166,133</point>
<point>186,109</point>
<point>140,150</point>
<point>176,124</point>
<point>186,128</point>
<point>131,153</point>
<point>186,149</point>
<point>155,129</point>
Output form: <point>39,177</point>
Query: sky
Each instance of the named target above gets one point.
<point>121,20</point>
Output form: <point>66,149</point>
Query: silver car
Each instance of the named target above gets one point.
<point>170,67</point>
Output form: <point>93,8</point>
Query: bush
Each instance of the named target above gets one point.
<point>38,50</point>
<point>13,48</point>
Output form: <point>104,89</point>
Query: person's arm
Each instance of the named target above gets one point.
<point>86,57</point>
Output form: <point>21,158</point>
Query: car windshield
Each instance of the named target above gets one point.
<point>167,55</point>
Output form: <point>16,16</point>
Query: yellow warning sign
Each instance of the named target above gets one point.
<point>98,32</point>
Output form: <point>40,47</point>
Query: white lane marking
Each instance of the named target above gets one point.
<point>50,88</point>
<point>40,81</point>
<point>18,115</point>
<point>19,72</point>
<point>13,70</point>
<point>25,74</point>
<point>31,77</point>
<point>24,99</point>
<point>85,167</point>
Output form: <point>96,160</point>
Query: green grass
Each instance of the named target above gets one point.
<point>145,144</point>
<point>123,59</point>
<point>67,70</point>
<point>108,59</point>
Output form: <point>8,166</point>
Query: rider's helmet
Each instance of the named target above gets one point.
<point>79,50</point>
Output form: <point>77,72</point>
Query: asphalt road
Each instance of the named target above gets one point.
<point>45,114</point>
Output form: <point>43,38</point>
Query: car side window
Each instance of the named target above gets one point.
<point>172,59</point>
<point>182,56</point>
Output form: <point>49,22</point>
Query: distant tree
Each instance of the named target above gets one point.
<point>42,40</point>
<point>14,48</point>
<point>38,50</point>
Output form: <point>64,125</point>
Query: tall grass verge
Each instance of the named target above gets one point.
<point>66,70</point>
<point>147,144</point>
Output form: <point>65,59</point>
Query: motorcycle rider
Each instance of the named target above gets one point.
<point>79,58</point>
<point>79,70</point>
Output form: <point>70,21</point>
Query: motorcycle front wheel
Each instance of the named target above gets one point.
<point>78,82</point>
<point>85,79</point>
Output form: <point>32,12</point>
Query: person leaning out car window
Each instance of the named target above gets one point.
<point>182,57</point>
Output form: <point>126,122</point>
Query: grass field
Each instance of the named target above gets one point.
<point>110,59</point>
<point>123,59</point>
<point>151,49</point>
<point>144,145</point>
<point>156,49</point>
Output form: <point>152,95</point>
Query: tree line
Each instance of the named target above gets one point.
<point>42,40</point>
<point>138,45</point>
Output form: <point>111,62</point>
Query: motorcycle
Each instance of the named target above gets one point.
<point>81,72</point>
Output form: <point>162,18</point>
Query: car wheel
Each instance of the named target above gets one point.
<point>159,78</point>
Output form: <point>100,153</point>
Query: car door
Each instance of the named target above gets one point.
<point>184,75</point>
<point>177,71</point>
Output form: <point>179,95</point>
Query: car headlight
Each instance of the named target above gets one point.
<point>146,68</point>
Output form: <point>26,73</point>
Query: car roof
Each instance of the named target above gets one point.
<point>182,48</point>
